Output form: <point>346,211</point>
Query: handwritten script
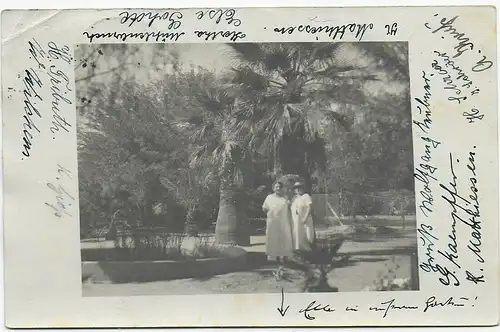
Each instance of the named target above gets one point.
<point>63,201</point>
<point>130,18</point>
<point>133,19</point>
<point>311,310</point>
<point>334,32</point>
<point>456,255</point>
<point>49,69</point>
<point>218,15</point>
<point>446,28</point>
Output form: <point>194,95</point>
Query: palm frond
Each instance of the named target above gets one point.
<point>344,93</point>
<point>248,52</point>
<point>277,60</point>
<point>248,78</point>
<point>334,70</point>
<point>322,51</point>
<point>391,57</point>
<point>343,120</point>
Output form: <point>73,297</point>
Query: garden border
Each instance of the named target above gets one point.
<point>234,259</point>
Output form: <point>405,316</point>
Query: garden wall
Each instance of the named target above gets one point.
<point>233,259</point>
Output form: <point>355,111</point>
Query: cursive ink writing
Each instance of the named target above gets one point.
<point>32,83</point>
<point>449,82</point>
<point>59,82</point>
<point>466,209</point>
<point>313,306</point>
<point>50,62</point>
<point>446,27</point>
<point>428,265</point>
<point>37,53</point>
<point>475,243</point>
<point>174,18</point>
<point>157,36</point>
<point>59,53</point>
<point>59,86</point>
<point>473,115</point>
<point>63,199</point>
<point>431,302</point>
<point>424,171</point>
<point>424,126</point>
<point>391,29</point>
<point>218,14</point>
<point>389,305</point>
<point>232,35</point>
<point>482,65</point>
<point>459,75</point>
<point>336,32</point>
<point>452,254</point>
<point>474,278</point>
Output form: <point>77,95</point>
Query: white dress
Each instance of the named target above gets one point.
<point>303,227</point>
<point>279,239</point>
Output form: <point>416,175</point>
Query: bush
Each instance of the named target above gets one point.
<point>156,244</point>
<point>389,282</point>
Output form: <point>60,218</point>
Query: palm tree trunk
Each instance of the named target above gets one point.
<point>226,226</point>
<point>191,228</point>
<point>242,227</point>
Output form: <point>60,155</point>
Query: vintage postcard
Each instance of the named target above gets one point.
<point>226,167</point>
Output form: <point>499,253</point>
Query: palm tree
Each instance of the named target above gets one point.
<point>288,94</point>
<point>278,102</point>
<point>219,145</point>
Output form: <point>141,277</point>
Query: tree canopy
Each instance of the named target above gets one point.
<point>158,138</point>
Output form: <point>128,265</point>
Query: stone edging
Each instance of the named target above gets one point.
<point>233,259</point>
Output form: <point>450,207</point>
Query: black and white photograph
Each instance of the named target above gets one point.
<point>245,168</point>
<point>250,167</point>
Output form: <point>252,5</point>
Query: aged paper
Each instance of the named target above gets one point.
<point>250,167</point>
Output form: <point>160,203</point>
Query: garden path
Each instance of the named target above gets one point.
<point>370,260</point>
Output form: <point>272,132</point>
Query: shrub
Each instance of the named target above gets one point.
<point>389,282</point>
<point>156,244</point>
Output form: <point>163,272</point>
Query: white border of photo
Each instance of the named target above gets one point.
<point>42,251</point>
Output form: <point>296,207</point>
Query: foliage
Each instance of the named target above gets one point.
<point>286,94</point>
<point>150,244</point>
<point>160,142</point>
<point>136,157</point>
<point>389,282</point>
<point>320,260</point>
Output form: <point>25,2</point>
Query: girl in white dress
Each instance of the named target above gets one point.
<point>303,226</point>
<point>279,238</point>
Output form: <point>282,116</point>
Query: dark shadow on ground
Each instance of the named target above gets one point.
<point>377,238</point>
<point>204,277</point>
<point>368,259</point>
<point>257,260</point>
<point>399,250</point>
<point>366,240</point>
